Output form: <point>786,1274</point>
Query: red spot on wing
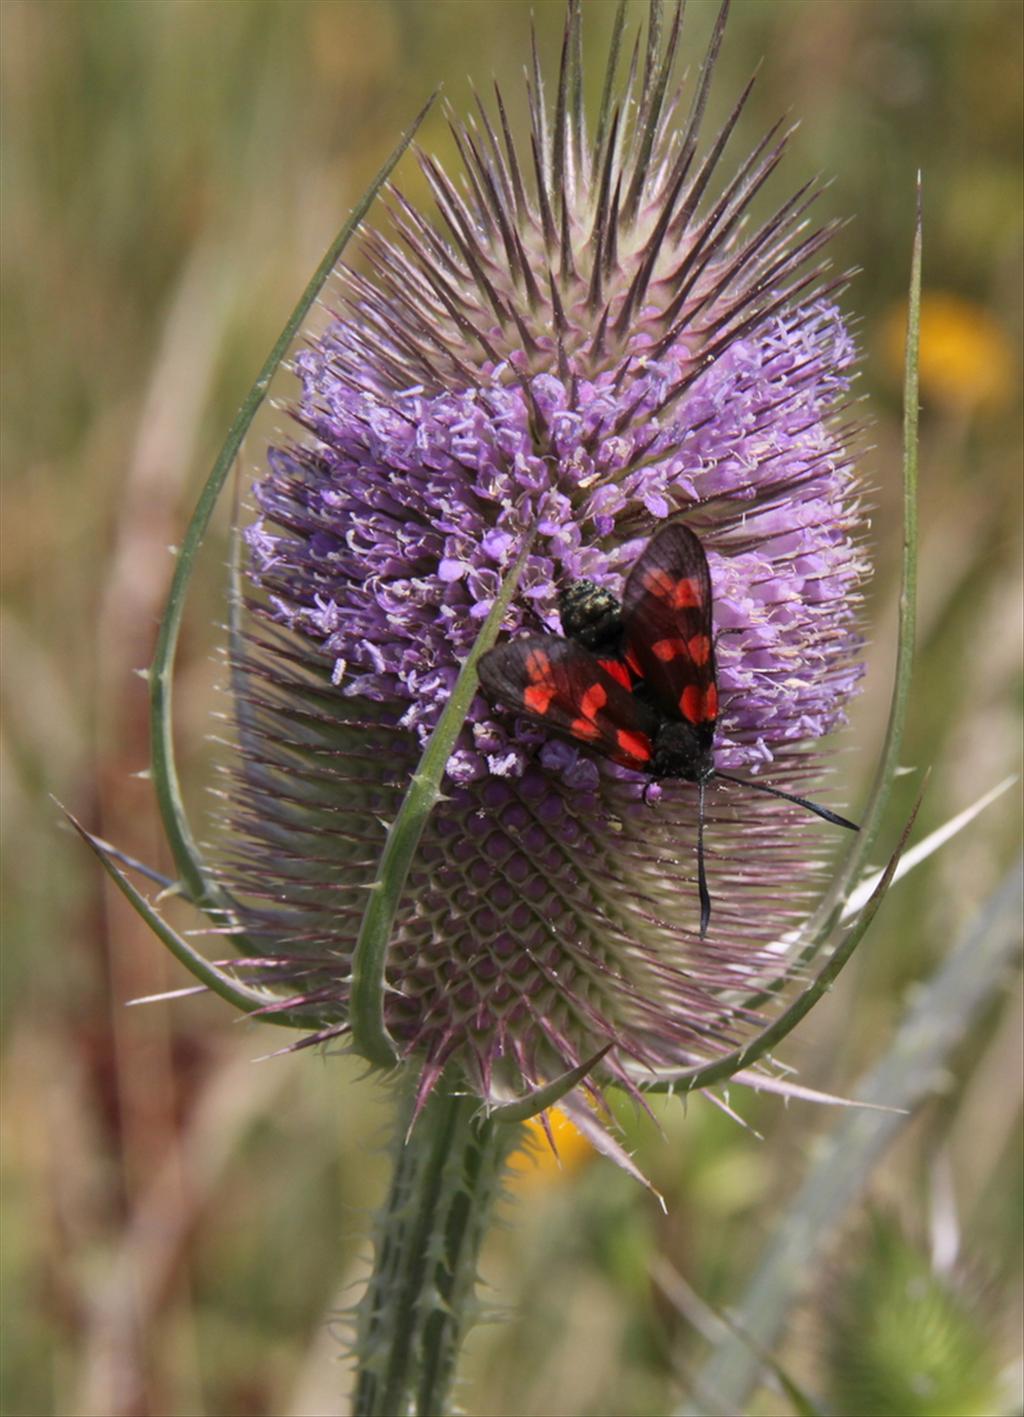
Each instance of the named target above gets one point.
<point>686,592</point>
<point>699,705</point>
<point>699,647</point>
<point>540,691</point>
<point>594,699</point>
<point>635,745</point>
<point>537,697</point>
<point>619,670</point>
<point>591,704</point>
<point>678,593</point>
<point>666,650</point>
<point>691,703</point>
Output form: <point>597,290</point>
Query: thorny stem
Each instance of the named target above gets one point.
<point>420,1298</point>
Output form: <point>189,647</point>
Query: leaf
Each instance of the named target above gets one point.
<point>369,1036</point>
<point>832,908</point>
<point>196,880</point>
<point>541,1098</point>
<point>861,845</point>
<point>217,980</point>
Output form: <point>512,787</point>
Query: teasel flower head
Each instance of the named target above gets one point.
<point>590,332</point>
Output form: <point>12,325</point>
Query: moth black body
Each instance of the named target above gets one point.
<point>592,616</point>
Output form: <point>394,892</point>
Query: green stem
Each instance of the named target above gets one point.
<point>420,1299</point>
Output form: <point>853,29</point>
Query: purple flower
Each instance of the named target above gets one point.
<point>591,333</point>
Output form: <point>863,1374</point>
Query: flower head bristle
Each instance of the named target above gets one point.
<point>586,338</point>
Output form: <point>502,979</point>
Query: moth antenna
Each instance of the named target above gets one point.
<point>702,880</point>
<point>814,807</point>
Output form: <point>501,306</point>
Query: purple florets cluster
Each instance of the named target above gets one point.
<point>397,527</point>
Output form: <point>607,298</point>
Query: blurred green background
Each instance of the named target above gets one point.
<point>182,1225</point>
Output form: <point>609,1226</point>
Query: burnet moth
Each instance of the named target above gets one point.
<point>636,682</point>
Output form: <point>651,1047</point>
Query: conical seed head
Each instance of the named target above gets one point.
<point>587,336</point>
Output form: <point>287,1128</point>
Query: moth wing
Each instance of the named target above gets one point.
<point>666,611</point>
<point>623,668</point>
<point>563,687</point>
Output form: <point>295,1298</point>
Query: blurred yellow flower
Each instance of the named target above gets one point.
<point>535,1162</point>
<point>967,360</point>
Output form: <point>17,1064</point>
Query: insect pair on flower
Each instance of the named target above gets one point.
<point>636,682</point>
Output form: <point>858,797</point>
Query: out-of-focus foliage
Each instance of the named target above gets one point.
<point>181,1224</point>
<point>903,1338</point>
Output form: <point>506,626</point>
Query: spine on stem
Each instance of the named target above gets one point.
<point>421,1296</point>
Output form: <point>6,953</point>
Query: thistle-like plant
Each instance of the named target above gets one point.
<point>592,332</point>
<point>589,336</point>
